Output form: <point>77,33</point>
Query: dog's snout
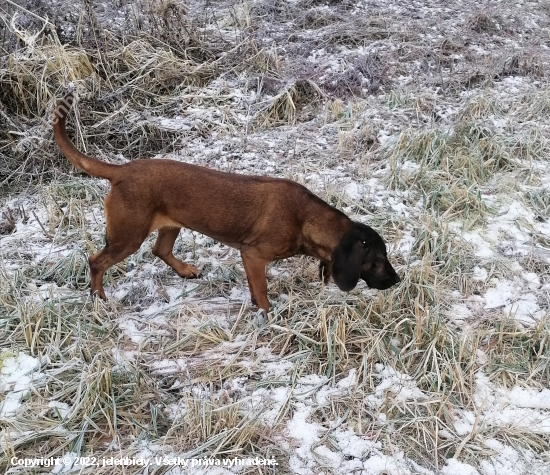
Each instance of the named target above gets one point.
<point>390,282</point>
<point>396,278</point>
<point>391,279</point>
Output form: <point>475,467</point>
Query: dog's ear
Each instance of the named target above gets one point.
<point>346,262</point>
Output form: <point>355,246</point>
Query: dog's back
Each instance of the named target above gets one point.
<point>213,202</point>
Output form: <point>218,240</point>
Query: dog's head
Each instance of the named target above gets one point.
<point>361,253</point>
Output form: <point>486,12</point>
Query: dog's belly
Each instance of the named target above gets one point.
<point>232,237</point>
<point>272,247</point>
<point>163,221</point>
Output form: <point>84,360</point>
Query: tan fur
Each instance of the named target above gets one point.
<point>265,218</point>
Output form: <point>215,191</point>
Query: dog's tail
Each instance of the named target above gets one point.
<point>90,165</point>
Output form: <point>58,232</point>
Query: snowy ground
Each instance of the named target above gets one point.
<point>428,121</point>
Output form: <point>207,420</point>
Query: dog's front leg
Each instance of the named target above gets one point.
<point>325,271</point>
<point>164,247</point>
<point>254,267</point>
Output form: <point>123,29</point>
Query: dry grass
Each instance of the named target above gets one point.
<point>294,100</point>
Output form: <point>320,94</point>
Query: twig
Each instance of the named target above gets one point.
<point>22,211</point>
<point>296,333</point>
<point>470,435</point>
<point>45,20</point>
<point>8,120</point>
<point>46,233</point>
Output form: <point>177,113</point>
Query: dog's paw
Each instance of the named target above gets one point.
<point>189,272</point>
<point>98,294</point>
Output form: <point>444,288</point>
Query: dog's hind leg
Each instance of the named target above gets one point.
<point>125,234</point>
<point>255,273</point>
<point>163,249</point>
<point>115,251</point>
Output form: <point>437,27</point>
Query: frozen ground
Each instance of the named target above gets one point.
<point>426,120</point>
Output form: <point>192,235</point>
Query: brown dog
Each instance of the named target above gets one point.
<point>265,218</point>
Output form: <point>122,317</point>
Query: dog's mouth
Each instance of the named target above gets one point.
<point>382,284</point>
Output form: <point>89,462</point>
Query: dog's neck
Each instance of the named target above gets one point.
<point>321,236</point>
